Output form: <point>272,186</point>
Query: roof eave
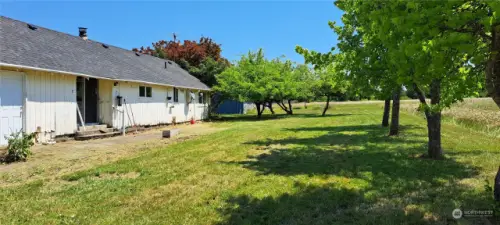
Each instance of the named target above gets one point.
<point>93,76</point>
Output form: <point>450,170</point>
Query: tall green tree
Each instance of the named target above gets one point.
<point>295,82</point>
<point>264,82</point>
<point>285,84</point>
<point>331,74</point>
<point>329,82</point>
<point>305,78</point>
<point>439,48</point>
<point>364,62</point>
<point>470,28</point>
<point>207,69</point>
<point>422,54</point>
<point>251,79</point>
<point>368,61</point>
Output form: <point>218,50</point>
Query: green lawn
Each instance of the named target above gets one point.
<point>300,169</point>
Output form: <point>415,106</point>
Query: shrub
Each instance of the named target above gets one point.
<point>19,146</point>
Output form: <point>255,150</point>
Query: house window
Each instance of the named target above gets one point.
<point>142,91</point>
<point>145,91</point>
<point>200,98</point>
<point>176,95</point>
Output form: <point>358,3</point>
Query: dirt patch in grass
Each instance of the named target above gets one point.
<point>52,161</point>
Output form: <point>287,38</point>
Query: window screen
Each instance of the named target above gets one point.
<point>149,92</point>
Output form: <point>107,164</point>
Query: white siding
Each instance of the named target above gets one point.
<point>50,104</point>
<point>155,110</point>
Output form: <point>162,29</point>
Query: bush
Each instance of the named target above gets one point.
<point>19,146</point>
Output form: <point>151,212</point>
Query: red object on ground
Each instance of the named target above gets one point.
<point>192,121</point>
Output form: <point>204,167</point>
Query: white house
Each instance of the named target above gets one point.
<point>55,83</point>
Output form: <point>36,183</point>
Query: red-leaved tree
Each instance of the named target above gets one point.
<point>192,52</point>
<point>202,59</point>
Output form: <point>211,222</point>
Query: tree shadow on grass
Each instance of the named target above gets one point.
<point>349,137</point>
<point>328,204</point>
<point>310,115</point>
<point>247,118</point>
<point>265,117</point>
<point>354,164</point>
<point>398,188</point>
<point>310,205</point>
<point>369,128</point>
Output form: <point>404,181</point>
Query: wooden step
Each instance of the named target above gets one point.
<point>97,136</point>
<point>94,131</point>
<point>92,127</point>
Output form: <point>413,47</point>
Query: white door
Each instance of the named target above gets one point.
<point>11,104</point>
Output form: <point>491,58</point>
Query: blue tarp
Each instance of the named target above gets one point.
<point>231,107</point>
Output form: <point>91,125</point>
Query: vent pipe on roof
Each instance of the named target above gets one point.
<point>32,27</point>
<point>83,32</point>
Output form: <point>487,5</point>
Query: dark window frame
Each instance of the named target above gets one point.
<point>142,91</point>
<point>145,91</point>
<point>176,95</point>
<point>201,98</point>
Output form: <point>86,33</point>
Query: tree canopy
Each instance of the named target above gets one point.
<point>202,59</point>
<point>441,49</point>
<point>262,81</point>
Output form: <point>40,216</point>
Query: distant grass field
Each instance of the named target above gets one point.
<point>481,114</point>
<point>300,169</point>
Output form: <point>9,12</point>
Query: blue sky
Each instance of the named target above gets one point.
<point>277,27</point>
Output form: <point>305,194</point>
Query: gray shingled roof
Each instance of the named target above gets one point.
<point>47,49</point>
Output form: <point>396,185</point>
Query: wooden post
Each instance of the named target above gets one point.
<point>80,115</point>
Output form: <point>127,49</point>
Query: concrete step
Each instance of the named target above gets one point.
<point>97,136</point>
<point>92,127</point>
<point>94,131</point>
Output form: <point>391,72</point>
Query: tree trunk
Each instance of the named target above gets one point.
<point>434,122</point>
<point>433,119</point>
<point>387,111</point>
<point>327,105</point>
<point>259,112</point>
<point>305,105</point>
<point>280,104</point>
<point>283,106</point>
<point>493,66</point>
<point>270,106</point>
<point>434,134</point>
<point>290,110</point>
<point>394,129</point>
